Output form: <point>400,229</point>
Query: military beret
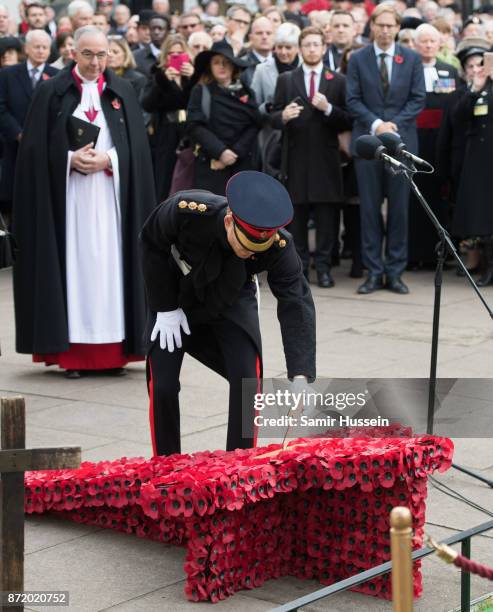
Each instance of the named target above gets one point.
<point>260,206</point>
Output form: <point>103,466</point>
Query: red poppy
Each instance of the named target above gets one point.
<point>244,98</point>
<point>116,104</point>
<point>398,59</point>
<point>328,75</point>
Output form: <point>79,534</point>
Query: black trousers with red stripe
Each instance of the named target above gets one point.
<point>224,347</point>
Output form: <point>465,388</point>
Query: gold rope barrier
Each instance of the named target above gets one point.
<point>402,566</point>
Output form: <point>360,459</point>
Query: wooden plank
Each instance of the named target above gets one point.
<point>13,435</point>
<point>30,459</point>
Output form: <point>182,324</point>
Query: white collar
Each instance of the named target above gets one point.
<point>262,58</point>
<point>154,50</point>
<point>316,69</point>
<point>390,51</point>
<point>90,95</point>
<point>431,65</point>
<point>39,68</point>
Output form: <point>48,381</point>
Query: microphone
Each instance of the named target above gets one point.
<point>370,147</point>
<point>393,143</point>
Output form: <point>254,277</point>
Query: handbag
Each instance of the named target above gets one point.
<point>183,171</point>
<point>6,245</point>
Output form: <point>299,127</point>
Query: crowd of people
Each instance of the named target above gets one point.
<point>287,89</point>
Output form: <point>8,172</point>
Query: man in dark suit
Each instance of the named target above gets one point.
<point>146,57</point>
<point>17,84</point>
<point>309,105</point>
<point>441,80</point>
<point>261,44</point>
<point>385,92</point>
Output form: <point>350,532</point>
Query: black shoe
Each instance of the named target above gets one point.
<point>356,271</point>
<point>396,285</point>
<point>325,280</point>
<point>486,279</point>
<point>116,372</point>
<point>72,374</point>
<point>371,284</point>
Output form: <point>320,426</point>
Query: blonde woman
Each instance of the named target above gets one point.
<point>121,61</point>
<point>166,96</point>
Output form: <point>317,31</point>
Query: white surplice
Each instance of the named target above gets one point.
<point>94,249</point>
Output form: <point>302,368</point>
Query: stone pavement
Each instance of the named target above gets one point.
<point>379,335</point>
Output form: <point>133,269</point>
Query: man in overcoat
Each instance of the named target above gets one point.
<point>309,105</point>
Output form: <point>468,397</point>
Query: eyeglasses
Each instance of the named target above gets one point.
<point>89,55</point>
<point>240,21</point>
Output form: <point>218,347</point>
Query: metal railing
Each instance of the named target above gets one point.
<point>464,537</point>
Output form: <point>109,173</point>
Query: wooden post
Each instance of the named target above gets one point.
<point>15,459</point>
<point>12,499</point>
<point>402,565</point>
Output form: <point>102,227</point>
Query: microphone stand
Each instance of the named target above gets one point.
<point>444,246</point>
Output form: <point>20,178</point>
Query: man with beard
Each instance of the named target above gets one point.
<point>78,208</point>
<point>309,105</point>
<point>146,57</point>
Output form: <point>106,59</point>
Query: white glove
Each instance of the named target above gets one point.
<point>168,327</point>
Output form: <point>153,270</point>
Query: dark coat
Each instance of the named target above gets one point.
<point>473,214</point>
<point>145,60</point>
<point>16,92</point>
<point>313,160</point>
<point>163,99</point>
<point>39,211</point>
<point>422,233</point>
<point>451,144</point>
<point>402,104</point>
<point>234,123</point>
<point>252,60</point>
<point>220,283</point>
<point>136,79</point>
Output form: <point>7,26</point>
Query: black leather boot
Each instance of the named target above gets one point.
<point>487,278</point>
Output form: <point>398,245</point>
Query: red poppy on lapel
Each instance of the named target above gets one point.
<point>328,75</point>
<point>116,104</point>
<point>244,98</point>
<point>45,76</point>
<point>398,59</point>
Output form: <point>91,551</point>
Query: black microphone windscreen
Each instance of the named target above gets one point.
<point>367,147</point>
<point>392,142</point>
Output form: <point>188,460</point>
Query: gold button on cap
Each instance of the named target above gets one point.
<point>282,243</point>
<point>192,205</point>
<point>182,204</point>
<point>202,208</point>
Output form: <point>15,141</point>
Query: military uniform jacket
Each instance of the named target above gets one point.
<point>220,284</point>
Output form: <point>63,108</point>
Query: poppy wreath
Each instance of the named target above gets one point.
<point>318,509</point>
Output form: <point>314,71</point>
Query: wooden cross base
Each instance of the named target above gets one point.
<point>15,459</point>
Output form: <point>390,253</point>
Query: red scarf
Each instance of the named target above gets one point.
<point>91,114</point>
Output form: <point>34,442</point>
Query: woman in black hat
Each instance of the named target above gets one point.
<point>223,119</point>
<point>473,217</point>
<point>10,51</point>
